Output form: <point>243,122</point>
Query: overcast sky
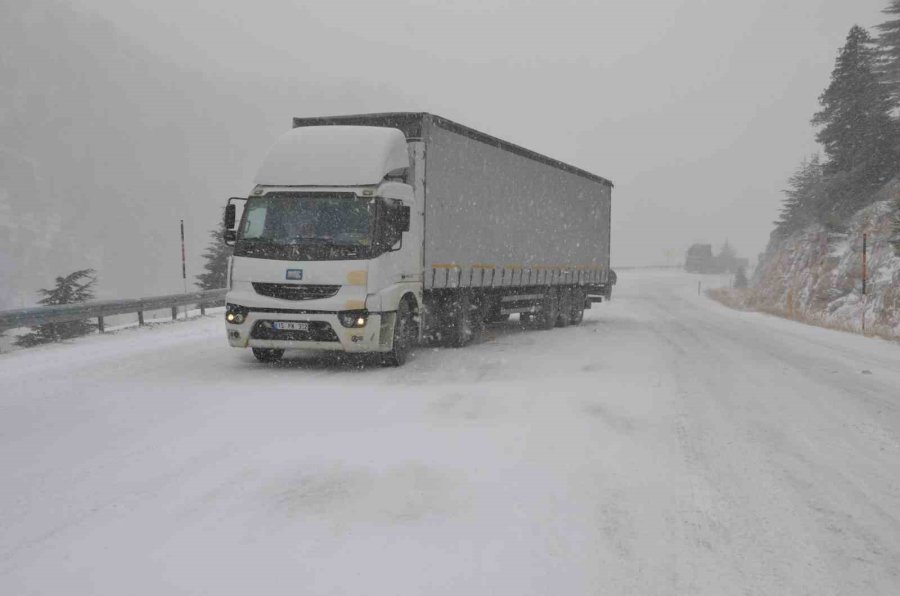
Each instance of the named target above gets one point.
<point>698,110</point>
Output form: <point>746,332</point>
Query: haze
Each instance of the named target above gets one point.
<point>697,110</point>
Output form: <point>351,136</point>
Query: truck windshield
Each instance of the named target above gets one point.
<point>339,219</point>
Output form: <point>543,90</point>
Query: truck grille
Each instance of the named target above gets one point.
<point>318,331</point>
<point>295,292</point>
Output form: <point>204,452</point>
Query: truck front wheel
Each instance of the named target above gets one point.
<point>405,334</point>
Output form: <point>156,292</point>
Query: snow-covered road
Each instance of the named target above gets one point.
<point>666,446</point>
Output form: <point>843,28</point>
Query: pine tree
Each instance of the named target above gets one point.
<point>727,252</point>
<point>857,132</point>
<point>216,257</point>
<point>802,197</point>
<point>889,52</point>
<point>71,289</point>
<point>725,260</point>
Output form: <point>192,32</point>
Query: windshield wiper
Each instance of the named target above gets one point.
<point>316,239</point>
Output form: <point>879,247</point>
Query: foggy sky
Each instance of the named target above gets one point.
<point>698,110</point>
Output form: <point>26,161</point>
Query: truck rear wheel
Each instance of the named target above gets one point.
<point>405,334</point>
<point>465,321</point>
<point>267,354</point>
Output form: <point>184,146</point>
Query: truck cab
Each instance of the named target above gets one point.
<point>328,247</point>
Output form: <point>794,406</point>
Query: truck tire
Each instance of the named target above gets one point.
<point>492,313</point>
<point>546,319</point>
<point>267,354</point>
<point>465,321</point>
<point>405,334</point>
<point>565,307</point>
<point>578,299</point>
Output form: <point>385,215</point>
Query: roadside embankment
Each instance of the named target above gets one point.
<point>815,276</point>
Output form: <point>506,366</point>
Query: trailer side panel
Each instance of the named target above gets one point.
<point>494,217</point>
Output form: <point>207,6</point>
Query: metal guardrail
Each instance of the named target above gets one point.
<point>98,309</point>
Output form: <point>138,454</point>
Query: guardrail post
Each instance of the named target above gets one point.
<point>140,317</point>
<point>174,313</point>
<point>100,325</point>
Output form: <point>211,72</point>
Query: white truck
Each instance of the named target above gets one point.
<point>372,233</point>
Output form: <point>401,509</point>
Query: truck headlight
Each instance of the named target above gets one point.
<point>353,318</point>
<point>236,314</point>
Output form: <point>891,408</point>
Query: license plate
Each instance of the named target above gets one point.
<point>290,326</point>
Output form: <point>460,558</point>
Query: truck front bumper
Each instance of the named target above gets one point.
<point>324,332</point>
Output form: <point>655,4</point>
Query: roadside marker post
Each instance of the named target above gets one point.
<point>864,295</point>
<point>183,271</point>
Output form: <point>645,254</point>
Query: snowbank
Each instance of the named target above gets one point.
<point>816,276</point>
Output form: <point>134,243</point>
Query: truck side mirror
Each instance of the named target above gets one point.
<point>230,216</point>
<point>403,217</point>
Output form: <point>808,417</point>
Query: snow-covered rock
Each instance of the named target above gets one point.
<point>816,275</point>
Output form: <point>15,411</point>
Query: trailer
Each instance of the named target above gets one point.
<point>375,232</point>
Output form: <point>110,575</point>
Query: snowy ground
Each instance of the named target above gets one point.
<point>667,446</point>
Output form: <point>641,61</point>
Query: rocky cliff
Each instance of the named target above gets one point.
<point>815,275</point>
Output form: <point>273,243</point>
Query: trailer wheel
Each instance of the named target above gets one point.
<point>546,319</point>
<point>565,308</point>
<point>492,312</point>
<point>267,354</point>
<point>405,334</point>
<point>578,299</point>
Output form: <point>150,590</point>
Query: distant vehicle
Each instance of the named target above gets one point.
<point>370,233</point>
<point>699,259</point>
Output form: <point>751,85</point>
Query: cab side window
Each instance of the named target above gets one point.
<point>392,232</point>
